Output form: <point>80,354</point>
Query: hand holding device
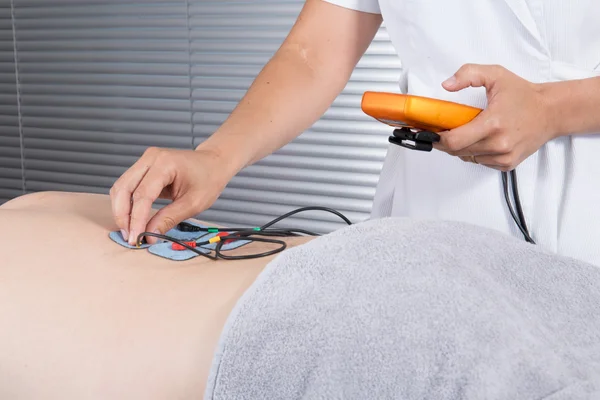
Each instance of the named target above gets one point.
<point>417,120</point>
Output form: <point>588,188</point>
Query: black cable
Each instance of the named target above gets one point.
<point>245,234</point>
<point>187,227</point>
<point>299,210</point>
<point>218,253</point>
<point>517,216</point>
<point>250,256</point>
<point>173,240</point>
<point>515,190</point>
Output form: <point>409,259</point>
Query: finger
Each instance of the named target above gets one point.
<point>455,141</point>
<point>144,197</point>
<point>488,161</point>
<point>473,75</point>
<point>170,215</point>
<point>122,190</point>
<point>493,146</point>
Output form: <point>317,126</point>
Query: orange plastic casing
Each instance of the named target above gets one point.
<point>400,110</point>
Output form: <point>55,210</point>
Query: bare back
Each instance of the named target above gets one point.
<point>83,318</point>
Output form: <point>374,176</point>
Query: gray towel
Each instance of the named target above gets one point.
<point>403,309</point>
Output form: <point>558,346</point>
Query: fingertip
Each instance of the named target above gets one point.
<point>450,83</point>
<point>131,239</point>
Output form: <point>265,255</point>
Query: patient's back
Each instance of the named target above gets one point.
<point>83,318</point>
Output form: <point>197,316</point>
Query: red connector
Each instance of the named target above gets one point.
<point>222,234</point>
<point>178,247</point>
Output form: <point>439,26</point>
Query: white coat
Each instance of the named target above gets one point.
<point>539,40</point>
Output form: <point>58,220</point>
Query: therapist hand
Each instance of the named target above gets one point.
<point>192,179</point>
<point>514,125</point>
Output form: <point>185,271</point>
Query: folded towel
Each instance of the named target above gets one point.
<point>405,309</point>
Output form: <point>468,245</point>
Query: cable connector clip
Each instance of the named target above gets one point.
<point>419,140</point>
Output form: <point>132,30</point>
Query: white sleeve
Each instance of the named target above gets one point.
<point>369,6</point>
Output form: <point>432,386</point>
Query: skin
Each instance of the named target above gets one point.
<point>83,318</point>
<point>314,63</point>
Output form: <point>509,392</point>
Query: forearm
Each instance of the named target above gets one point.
<point>574,106</point>
<point>287,97</point>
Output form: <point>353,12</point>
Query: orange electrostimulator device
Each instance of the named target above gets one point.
<point>417,119</point>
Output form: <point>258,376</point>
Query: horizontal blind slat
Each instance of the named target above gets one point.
<point>12,152</point>
<point>155,81</point>
<point>109,21</point>
<point>120,139</point>
<point>85,147</point>
<point>43,186</point>
<point>296,199</point>
<point>10,167</point>
<point>10,172</point>
<point>37,4</point>
<point>305,175</point>
<point>173,52</point>
<point>310,187</point>
<point>100,125</point>
<point>60,10</point>
<point>59,92</point>
<point>348,166</point>
<point>263,215</point>
<point>105,68</point>
<point>104,102</point>
<point>117,114</point>
<point>57,156</point>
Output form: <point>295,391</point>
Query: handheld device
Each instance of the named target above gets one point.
<point>417,119</point>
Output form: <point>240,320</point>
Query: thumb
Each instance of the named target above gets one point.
<point>169,216</point>
<point>473,75</point>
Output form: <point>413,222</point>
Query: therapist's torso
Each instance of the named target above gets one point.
<point>541,41</point>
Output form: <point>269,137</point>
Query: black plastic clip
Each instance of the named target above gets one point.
<point>420,140</point>
<point>186,227</point>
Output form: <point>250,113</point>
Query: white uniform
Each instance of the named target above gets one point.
<point>539,40</point>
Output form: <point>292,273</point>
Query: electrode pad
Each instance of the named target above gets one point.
<point>165,250</point>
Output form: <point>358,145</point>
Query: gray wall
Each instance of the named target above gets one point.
<point>98,82</point>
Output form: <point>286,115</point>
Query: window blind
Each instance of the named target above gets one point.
<point>336,163</point>
<point>102,80</point>
<point>11,182</point>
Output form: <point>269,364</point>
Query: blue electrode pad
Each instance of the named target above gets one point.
<point>164,249</point>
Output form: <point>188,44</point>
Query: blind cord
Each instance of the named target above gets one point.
<point>18,88</point>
